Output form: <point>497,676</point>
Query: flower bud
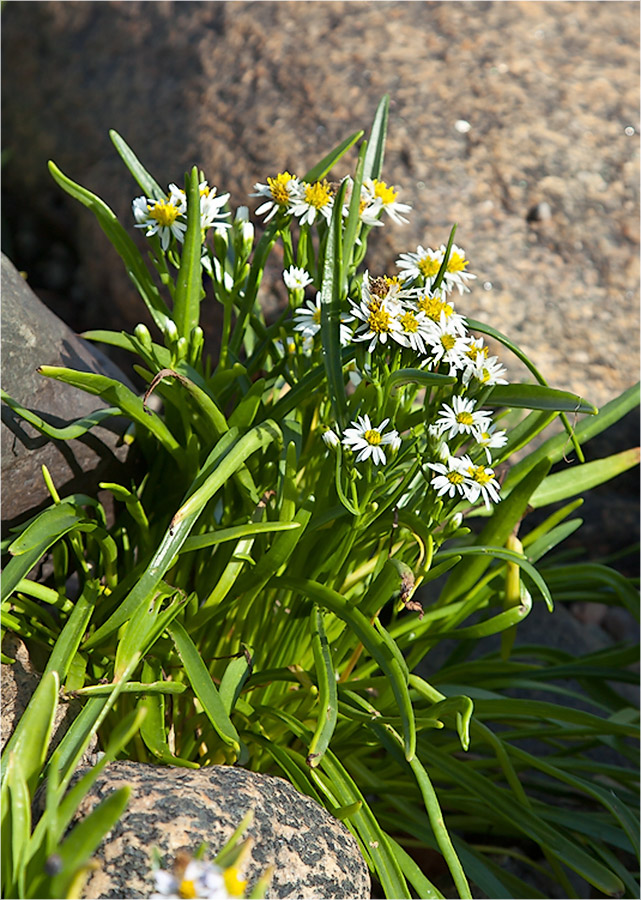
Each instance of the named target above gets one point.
<point>142,333</point>
<point>171,332</point>
<point>196,345</point>
<point>181,349</point>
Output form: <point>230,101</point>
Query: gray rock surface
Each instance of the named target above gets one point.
<point>518,121</point>
<point>175,809</point>
<point>31,336</point>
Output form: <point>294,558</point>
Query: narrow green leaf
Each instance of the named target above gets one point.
<point>556,447</point>
<point>189,282</point>
<point>330,312</point>
<point>495,533</point>
<point>353,218</point>
<point>30,739</point>
<point>82,842</point>
<point>119,395</point>
<point>74,429</point>
<point>19,818</point>
<point>338,787</point>
<point>525,820</point>
<point>323,167</point>
<point>234,677</point>
<point>123,244</point>
<point>148,185</point>
<point>378,644</point>
<point>204,687</point>
<point>327,691</point>
<point>536,396</point>
<point>412,871</point>
<point>581,478</point>
<point>509,556</point>
<point>234,533</point>
<point>373,166</point>
<point>153,729</point>
<point>55,521</point>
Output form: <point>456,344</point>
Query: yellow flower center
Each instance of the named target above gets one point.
<point>455,477</point>
<point>278,188</point>
<point>187,890</point>
<point>205,191</point>
<point>164,212</point>
<point>456,263</point>
<point>409,322</point>
<point>385,193</point>
<point>475,352</point>
<point>434,306</point>
<point>428,266</point>
<point>480,474</point>
<point>318,194</point>
<point>379,320</point>
<point>316,317</point>
<point>465,418</point>
<point>235,885</point>
<point>448,341</point>
<point>372,437</point>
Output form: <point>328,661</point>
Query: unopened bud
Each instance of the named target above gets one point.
<point>142,333</point>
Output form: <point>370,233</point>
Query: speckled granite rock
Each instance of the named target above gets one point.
<point>31,336</point>
<point>176,809</point>
<point>542,179</point>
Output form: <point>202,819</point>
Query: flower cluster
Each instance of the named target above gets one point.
<point>407,314</point>
<point>307,201</point>
<point>167,217</point>
<point>194,878</point>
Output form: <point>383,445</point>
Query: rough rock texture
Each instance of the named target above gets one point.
<point>31,336</point>
<point>19,681</point>
<point>541,176</point>
<point>176,809</point>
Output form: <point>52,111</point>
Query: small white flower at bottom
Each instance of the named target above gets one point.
<point>199,880</point>
<point>368,441</point>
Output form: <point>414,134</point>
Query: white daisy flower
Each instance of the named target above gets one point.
<point>368,211</point>
<point>312,200</point>
<point>198,880</point>
<point>307,318</point>
<point>461,418</point>
<point>450,477</point>
<point>455,273</point>
<point>379,322</point>
<point>446,345</point>
<point>280,191</point>
<point>162,217</point>
<point>424,264</point>
<point>376,191</point>
<point>482,483</point>
<point>491,439</point>
<point>368,441</point>
<point>296,279</point>
<point>486,371</point>
<point>414,331</point>
<point>210,205</point>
